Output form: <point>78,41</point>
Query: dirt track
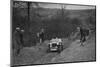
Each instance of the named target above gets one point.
<point>72,52</point>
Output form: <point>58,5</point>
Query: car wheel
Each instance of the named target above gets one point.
<point>48,50</point>
<point>59,49</point>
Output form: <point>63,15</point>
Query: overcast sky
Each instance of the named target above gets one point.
<point>73,7</point>
<point>53,5</point>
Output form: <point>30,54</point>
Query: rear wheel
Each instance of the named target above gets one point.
<point>48,50</point>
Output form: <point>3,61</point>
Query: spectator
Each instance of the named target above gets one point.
<point>41,36</point>
<point>83,32</point>
<point>18,36</point>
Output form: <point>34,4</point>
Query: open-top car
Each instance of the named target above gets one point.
<point>55,45</point>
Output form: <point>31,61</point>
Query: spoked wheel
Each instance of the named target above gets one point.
<point>48,50</point>
<point>60,48</point>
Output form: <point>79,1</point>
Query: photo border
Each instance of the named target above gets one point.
<point>11,10</point>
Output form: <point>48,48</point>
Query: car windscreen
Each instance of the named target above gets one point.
<point>54,44</point>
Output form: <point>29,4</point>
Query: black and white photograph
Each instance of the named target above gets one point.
<point>52,33</point>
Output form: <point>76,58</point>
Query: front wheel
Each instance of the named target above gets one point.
<point>60,48</point>
<point>48,50</point>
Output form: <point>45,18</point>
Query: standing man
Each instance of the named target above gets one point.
<point>41,36</point>
<point>18,37</point>
<point>83,32</point>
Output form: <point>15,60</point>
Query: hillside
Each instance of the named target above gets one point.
<point>72,52</point>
